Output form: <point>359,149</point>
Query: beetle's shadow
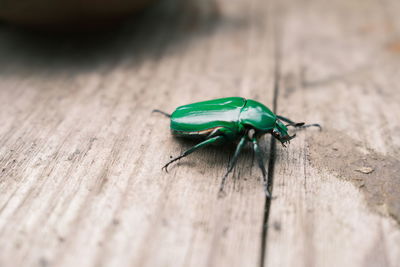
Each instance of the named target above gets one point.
<point>162,28</point>
<point>218,156</point>
<point>212,155</point>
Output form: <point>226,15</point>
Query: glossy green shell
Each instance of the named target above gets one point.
<point>231,115</point>
<point>257,116</point>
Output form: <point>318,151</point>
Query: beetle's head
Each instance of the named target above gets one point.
<point>280,132</point>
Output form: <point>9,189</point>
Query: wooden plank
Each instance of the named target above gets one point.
<point>81,153</point>
<point>336,69</point>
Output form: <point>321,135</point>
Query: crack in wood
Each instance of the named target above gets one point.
<point>272,153</point>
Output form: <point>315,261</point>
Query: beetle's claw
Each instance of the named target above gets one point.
<point>266,190</point>
<point>317,125</point>
<point>165,168</point>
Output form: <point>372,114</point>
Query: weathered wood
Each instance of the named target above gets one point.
<point>336,70</point>
<point>81,153</point>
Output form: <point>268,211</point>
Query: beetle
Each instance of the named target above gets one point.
<point>230,119</point>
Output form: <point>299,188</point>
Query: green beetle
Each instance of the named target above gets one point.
<point>232,119</point>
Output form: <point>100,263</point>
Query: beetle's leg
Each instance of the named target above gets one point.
<point>285,119</point>
<point>162,112</point>
<point>194,148</point>
<point>260,161</point>
<point>298,124</point>
<point>233,161</point>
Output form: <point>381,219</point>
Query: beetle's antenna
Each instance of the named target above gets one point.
<point>297,124</point>
<point>302,125</point>
<point>311,125</point>
<point>162,112</point>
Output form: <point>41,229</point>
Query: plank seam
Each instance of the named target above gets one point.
<point>272,153</point>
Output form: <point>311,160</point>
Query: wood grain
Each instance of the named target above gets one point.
<point>335,69</point>
<point>81,153</point>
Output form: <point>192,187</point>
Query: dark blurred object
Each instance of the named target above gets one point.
<point>68,14</point>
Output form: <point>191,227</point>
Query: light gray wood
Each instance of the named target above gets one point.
<point>81,153</point>
<point>336,69</point>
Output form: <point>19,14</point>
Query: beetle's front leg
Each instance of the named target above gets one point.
<point>298,124</point>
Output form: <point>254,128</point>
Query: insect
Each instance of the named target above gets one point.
<point>232,119</point>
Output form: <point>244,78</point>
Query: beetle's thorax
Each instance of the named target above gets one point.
<point>257,116</point>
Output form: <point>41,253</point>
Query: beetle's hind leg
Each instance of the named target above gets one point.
<point>162,112</point>
<point>298,124</point>
<point>232,162</point>
<point>194,148</point>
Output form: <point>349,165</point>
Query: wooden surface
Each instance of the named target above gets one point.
<point>81,153</point>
